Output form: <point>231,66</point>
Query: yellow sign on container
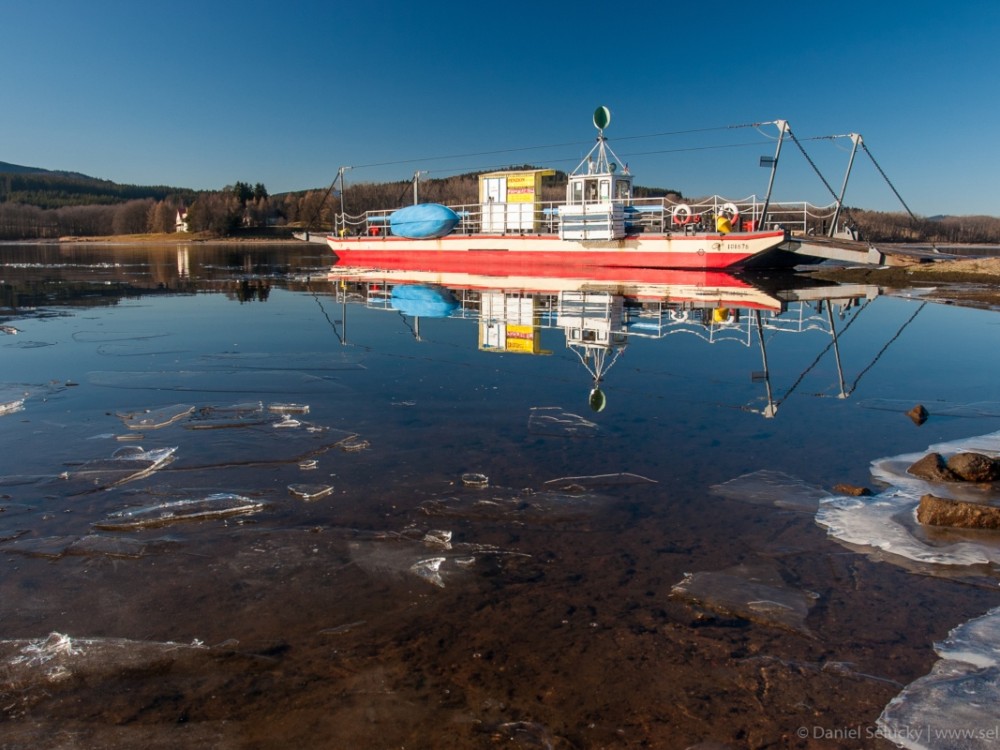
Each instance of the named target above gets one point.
<point>521,187</point>
<point>521,339</point>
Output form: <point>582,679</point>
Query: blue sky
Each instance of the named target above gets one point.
<point>204,94</point>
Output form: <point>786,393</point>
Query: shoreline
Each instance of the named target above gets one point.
<point>974,270</point>
<point>171,238</point>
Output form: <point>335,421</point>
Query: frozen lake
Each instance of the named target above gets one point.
<point>248,500</point>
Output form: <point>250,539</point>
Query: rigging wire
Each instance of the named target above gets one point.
<point>888,182</point>
<point>755,125</point>
<point>812,163</point>
<point>554,145</point>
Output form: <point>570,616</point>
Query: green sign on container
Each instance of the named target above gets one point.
<point>602,117</point>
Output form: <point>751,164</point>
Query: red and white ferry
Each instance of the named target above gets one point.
<point>600,224</point>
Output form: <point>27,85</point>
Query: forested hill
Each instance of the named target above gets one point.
<point>44,204</point>
<point>52,189</point>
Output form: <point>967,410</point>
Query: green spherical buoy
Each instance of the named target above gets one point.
<point>602,118</point>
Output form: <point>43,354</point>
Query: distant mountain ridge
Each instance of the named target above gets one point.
<point>8,168</point>
<point>49,188</point>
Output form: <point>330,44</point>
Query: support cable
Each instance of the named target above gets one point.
<point>888,182</point>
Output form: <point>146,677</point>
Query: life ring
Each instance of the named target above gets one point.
<point>731,212</point>
<point>681,214</point>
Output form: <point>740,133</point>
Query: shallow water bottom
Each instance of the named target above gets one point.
<point>544,630</point>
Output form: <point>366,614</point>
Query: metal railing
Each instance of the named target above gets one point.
<point>644,215</point>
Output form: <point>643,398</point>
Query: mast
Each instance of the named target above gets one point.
<point>782,129</point>
<point>856,140</point>
<point>416,181</point>
<point>343,216</point>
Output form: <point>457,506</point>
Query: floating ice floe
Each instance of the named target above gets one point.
<point>219,505</point>
<point>227,417</point>
<point>125,465</point>
<point>352,444</point>
<point>617,479</point>
<point>757,594</point>
<point>10,407</point>
<point>289,408</point>
<point>25,664</point>
<point>553,420</point>
<point>310,491</point>
<point>766,487</point>
<point>154,419</point>
<point>887,523</point>
<point>475,479</point>
<point>430,555</point>
<point>957,705</point>
<point>429,569</point>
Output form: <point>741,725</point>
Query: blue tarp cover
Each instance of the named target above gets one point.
<point>423,221</point>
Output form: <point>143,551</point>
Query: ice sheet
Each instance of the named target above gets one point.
<point>767,487</point>
<point>976,642</point>
<point>752,593</point>
<point>886,522</point>
<point>431,555</point>
<point>617,479</point>
<point>12,406</point>
<point>155,419</point>
<point>126,464</point>
<point>215,506</point>
<point>957,705</point>
<point>310,491</point>
<point>30,670</point>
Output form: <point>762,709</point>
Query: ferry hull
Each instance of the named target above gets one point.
<point>501,253</point>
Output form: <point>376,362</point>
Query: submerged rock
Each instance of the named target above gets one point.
<point>918,414</point>
<point>937,511</point>
<point>852,490</point>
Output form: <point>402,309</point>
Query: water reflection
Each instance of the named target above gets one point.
<point>385,516</point>
<point>600,314</point>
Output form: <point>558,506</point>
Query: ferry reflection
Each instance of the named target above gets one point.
<point>601,313</point>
